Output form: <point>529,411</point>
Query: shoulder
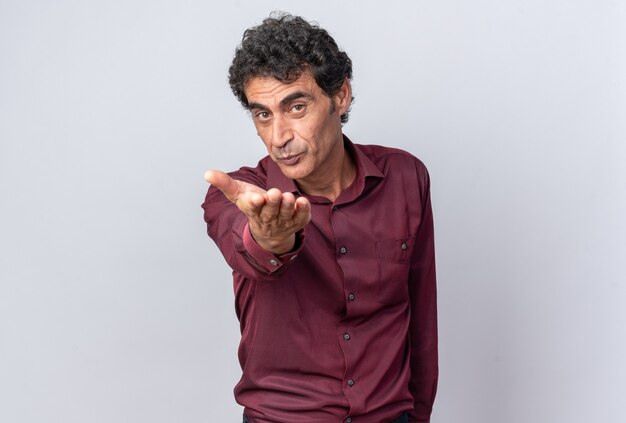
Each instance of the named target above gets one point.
<point>256,175</point>
<point>390,160</point>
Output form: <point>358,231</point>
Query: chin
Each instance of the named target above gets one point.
<point>294,172</point>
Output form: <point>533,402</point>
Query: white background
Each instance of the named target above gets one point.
<point>116,307</point>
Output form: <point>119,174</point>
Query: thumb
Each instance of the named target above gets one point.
<point>224,183</point>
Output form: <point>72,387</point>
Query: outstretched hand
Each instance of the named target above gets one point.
<point>274,217</point>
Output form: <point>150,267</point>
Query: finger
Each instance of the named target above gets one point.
<point>302,214</point>
<point>251,203</point>
<point>287,204</point>
<point>271,207</point>
<point>226,184</point>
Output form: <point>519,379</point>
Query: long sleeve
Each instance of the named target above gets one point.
<point>423,323</point>
<point>228,227</point>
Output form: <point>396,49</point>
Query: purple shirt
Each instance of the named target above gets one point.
<point>343,328</point>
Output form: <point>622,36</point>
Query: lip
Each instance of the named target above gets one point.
<point>290,160</point>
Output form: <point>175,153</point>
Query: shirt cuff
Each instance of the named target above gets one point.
<point>268,261</point>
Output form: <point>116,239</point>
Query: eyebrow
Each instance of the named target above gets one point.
<point>291,97</point>
<point>294,96</point>
<point>256,106</point>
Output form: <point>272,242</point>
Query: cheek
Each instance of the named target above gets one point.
<point>263,134</point>
<point>268,148</point>
<point>308,132</point>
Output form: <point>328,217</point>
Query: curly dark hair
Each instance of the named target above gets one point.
<point>284,46</point>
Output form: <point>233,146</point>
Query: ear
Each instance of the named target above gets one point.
<point>343,97</point>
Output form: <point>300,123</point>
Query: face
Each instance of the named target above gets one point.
<point>299,125</point>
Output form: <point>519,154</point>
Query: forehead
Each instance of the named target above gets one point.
<point>267,90</point>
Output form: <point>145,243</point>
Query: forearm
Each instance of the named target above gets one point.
<point>229,229</point>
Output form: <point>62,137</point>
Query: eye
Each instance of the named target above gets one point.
<point>262,115</point>
<point>298,107</point>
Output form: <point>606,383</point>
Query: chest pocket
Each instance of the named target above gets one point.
<point>395,250</point>
<point>394,262</point>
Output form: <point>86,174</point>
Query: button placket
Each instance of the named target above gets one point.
<point>344,246</point>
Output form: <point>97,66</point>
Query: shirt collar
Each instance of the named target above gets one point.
<point>365,168</point>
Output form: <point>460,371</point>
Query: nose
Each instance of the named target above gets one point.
<point>281,131</point>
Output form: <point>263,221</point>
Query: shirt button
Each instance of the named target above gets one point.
<point>349,420</point>
<point>404,246</point>
<point>343,250</point>
<point>350,382</point>
<point>351,296</point>
<point>293,257</point>
<point>346,336</point>
<point>273,262</point>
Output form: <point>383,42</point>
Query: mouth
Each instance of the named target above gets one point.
<point>290,160</point>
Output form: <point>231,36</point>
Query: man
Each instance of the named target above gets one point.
<point>331,246</point>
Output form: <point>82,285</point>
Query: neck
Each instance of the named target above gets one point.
<point>332,183</point>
